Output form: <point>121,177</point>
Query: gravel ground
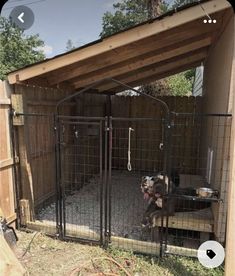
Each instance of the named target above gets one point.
<point>83,207</point>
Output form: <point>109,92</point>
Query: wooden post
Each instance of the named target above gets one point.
<point>24,212</point>
<point>19,105</point>
<point>230,235</point>
<point>25,171</point>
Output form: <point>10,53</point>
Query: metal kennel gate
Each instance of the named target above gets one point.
<point>70,130</point>
<point>80,144</point>
<point>90,205</point>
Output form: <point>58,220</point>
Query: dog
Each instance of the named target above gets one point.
<point>156,188</point>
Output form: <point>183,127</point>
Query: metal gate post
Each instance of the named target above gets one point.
<point>167,172</point>
<point>106,130</point>
<point>58,177</point>
<point>108,184</point>
<point>101,185</point>
<point>109,177</point>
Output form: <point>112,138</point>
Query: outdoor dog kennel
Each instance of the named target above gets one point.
<point>82,154</point>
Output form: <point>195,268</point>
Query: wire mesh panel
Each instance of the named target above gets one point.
<point>143,138</point>
<point>136,151</point>
<point>200,155</point>
<point>101,164</point>
<point>81,178</point>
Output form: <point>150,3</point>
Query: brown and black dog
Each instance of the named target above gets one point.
<point>155,190</point>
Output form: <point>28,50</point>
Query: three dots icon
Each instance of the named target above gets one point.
<point>209,21</point>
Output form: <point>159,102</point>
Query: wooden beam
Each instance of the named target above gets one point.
<point>11,218</point>
<point>124,243</point>
<point>201,221</point>
<point>9,264</point>
<point>156,77</point>
<point>145,60</point>
<point>230,233</point>
<point>48,103</point>
<point>156,69</point>
<point>8,162</point>
<point>5,101</point>
<point>134,50</point>
<point>143,247</point>
<point>124,38</point>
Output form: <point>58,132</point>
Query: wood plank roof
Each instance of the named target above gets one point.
<point>164,46</point>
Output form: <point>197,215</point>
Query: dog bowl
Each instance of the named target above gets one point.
<point>206,192</point>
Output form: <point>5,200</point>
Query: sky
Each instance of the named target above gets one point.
<point>57,21</point>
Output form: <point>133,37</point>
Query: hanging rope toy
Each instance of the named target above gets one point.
<point>129,149</point>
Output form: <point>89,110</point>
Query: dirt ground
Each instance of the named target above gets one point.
<point>41,255</point>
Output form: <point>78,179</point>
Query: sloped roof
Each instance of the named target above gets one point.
<point>174,42</point>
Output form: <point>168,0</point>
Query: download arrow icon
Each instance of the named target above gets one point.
<point>20,17</point>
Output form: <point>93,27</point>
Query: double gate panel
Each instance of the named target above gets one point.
<point>101,164</point>
<point>81,174</point>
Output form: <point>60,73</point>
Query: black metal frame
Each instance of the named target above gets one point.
<point>108,154</point>
<point>99,122</point>
<point>105,125</point>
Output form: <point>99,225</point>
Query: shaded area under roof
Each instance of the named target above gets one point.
<point>174,42</point>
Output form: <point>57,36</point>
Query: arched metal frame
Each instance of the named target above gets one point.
<point>162,103</point>
<point>95,84</point>
<point>167,139</point>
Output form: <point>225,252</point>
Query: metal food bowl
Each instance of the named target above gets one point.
<point>206,192</point>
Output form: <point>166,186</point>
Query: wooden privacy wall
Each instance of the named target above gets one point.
<point>218,98</point>
<point>36,142</point>
<point>7,203</point>
<point>148,134</point>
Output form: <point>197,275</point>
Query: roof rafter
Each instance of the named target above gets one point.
<point>172,51</point>
<point>155,69</point>
<point>133,35</point>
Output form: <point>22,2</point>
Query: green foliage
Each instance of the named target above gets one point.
<point>127,13</point>
<point>179,84</point>
<point>180,3</point>
<point>190,74</point>
<point>16,49</point>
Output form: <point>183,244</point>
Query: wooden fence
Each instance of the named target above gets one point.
<point>35,137</point>
<point>7,201</point>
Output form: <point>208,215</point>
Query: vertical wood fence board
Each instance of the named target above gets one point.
<point>7,202</point>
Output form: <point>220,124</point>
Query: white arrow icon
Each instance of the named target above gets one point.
<point>20,17</point>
